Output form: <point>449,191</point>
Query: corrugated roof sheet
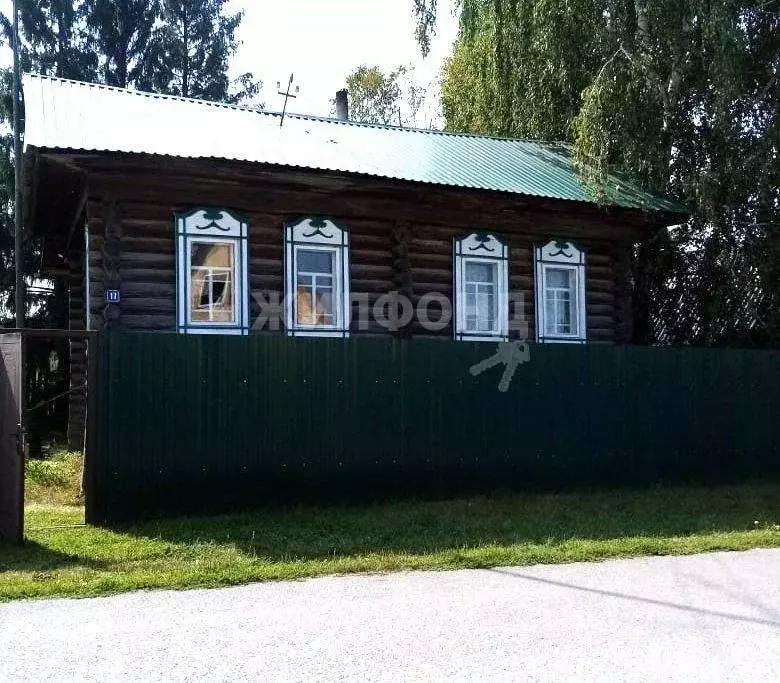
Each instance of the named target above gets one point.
<point>62,114</point>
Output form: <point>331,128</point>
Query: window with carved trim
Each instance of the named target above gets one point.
<point>317,278</point>
<point>212,288</point>
<point>560,293</point>
<point>481,288</point>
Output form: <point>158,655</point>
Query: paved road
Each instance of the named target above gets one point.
<point>705,618</point>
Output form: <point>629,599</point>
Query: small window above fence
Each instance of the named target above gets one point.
<point>317,278</point>
<point>481,288</point>
<point>212,279</point>
<point>560,293</point>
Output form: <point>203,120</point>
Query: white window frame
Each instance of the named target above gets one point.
<point>234,276</point>
<point>207,225</point>
<point>561,255</point>
<point>481,248</point>
<point>313,233</point>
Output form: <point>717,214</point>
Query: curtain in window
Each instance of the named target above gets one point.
<point>212,286</point>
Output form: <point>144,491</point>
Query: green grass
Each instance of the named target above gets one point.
<point>54,481</point>
<point>511,529</point>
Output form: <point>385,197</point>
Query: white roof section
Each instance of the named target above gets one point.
<point>71,115</point>
<point>76,116</point>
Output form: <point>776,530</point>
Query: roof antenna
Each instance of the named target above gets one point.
<point>287,95</point>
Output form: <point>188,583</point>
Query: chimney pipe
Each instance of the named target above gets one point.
<point>342,105</point>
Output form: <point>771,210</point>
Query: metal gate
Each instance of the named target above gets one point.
<point>11,451</point>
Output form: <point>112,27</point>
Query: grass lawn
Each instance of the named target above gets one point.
<point>62,558</point>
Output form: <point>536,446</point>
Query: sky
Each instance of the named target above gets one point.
<point>321,41</point>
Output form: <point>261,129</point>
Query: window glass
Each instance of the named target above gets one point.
<point>561,313</point>
<point>212,284</point>
<point>481,262</point>
<point>315,261</point>
<point>480,272</point>
<point>314,287</point>
<point>559,277</point>
<point>212,288</point>
<point>480,295</point>
<point>316,264</point>
<point>560,297</point>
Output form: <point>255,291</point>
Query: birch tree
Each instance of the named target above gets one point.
<point>682,96</point>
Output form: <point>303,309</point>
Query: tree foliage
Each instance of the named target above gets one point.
<point>385,98</point>
<point>54,38</point>
<point>53,41</point>
<point>191,49</point>
<point>119,33</point>
<point>126,43</point>
<point>374,97</point>
<point>682,96</point>
<point>7,266</point>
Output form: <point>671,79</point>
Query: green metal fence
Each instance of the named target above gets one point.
<point>191,423</point>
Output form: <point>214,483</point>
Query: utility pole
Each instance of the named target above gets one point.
<point>18,255</point>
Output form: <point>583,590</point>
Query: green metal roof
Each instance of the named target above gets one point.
<point>64,114</point>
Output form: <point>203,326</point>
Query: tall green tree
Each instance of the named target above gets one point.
<point>531,89</point>
<point>680,95</point>
<point>385,98</point>
<point>190,52</point>
<point>126,43</point>
<point>7,266</point>
<point>374,97</point>
<point>54,39</point>
<point>120,32</point>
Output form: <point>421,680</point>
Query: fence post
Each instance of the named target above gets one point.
<point>94,506</point>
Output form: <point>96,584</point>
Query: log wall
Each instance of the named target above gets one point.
<point>401,236</point>
<point>77,399</point>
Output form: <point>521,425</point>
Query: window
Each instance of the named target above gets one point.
<point>212,287</point>
<point>317,277</point>
<point>560,293</point>
<point>481,288</point>
<point>211,282</point>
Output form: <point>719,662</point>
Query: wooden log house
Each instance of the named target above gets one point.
<point>180,216</point>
